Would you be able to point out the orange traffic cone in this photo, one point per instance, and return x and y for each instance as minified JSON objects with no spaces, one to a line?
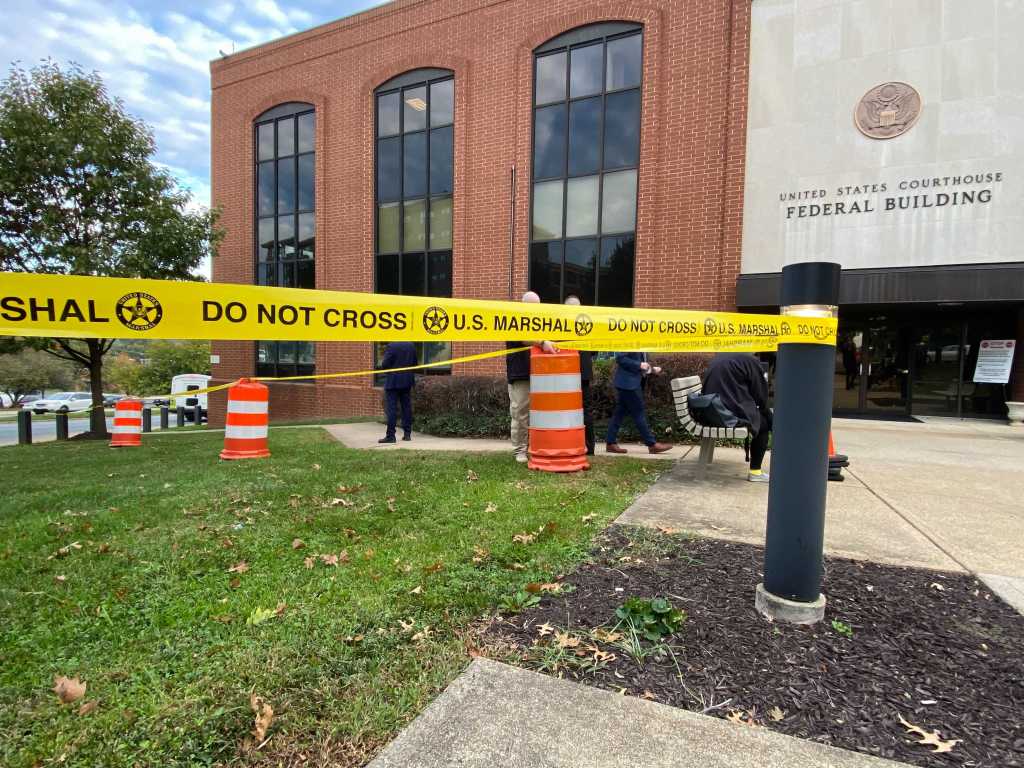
{"x":836,"y":461}
{"x":557,"y":437}
{"x":127,"y":432}
{"x":245,"y":428}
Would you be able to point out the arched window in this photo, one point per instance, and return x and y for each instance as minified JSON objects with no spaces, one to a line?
{"x":285,"y":221}
{"x":586,"y":154}
{"x":414,"y":181}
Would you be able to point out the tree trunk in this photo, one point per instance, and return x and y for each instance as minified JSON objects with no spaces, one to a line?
{"x":97,"y":416}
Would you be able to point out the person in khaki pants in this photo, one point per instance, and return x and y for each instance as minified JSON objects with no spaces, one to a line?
{"x":517,"y":372}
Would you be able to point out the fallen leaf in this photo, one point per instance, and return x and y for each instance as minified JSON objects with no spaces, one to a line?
{"x":407,"y":626}
{"x":607,"y":636}
{"x":309,"y":561}
{"x":280,"y":609}
{"x":936,"y":585}
{"x":226,"y":543}
{"x":517,"y":567}
{"x":298,"y":543}
{"x":471,"y":476}
{"x":264,"y":716}
{"x":523,"y":538}
{"x":648,"y":695}
{"x":329,"y":560}
{"x":65,"y":550}
{"x":60,"y":578}
{"x":667,"y":531}
{"x":545,"y":629}
{"x":480,"y":554}
{"x":223,"y":618}
{"x":434,"y":568}
{"x":88,"y":708}
{"x":240,"y":567}
{"x":68,"y":689}
{"x":423,"y":634}
{"x":260,"y":615}
{"x":316,"y":467}
{"x":349,"y":488}
{"x":391,"y":504}
{"x":742,"y":718}
{"x":565,"y":640}
{"x":342,"y":502}
{"x":491,"y":508}
{"x":103,"y":548}
{"x":587,"y":518}
{"x":776,"y":714}
{"x":368,"y":554}
{"x":235,"y":583}
{"x":930,"y":738}
{"x":416,"y":591}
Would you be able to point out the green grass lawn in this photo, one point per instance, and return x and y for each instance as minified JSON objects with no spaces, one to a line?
{"x":141,"y":606}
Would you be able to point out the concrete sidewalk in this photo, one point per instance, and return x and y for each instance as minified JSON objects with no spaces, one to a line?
{"x":366,"y":434}
{"x":943,"y":494}
{"x":497,"y":716}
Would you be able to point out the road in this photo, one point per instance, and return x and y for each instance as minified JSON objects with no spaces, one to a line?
{"x":44,"y":430}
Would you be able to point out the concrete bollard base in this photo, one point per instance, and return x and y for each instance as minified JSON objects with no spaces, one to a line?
{"x":777,"y":608}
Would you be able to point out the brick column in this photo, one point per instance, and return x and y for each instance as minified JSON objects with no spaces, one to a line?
{"x":1017,"y":376}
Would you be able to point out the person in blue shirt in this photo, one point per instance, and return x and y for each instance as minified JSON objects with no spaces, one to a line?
{"x":630,"y":370}
{"x":398,"y":387}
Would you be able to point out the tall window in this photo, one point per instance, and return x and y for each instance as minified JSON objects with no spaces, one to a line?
{"x":414,"y":183}
{"x":285,"y":222}
{"x":586,"y":151}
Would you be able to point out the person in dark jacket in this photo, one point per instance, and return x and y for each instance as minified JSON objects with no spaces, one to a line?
{"x":630,"y":370}
{"x":739,"y":380}
{"x":398,"y":387}
{"x":517,"y":373}
{"x":586,"y":374}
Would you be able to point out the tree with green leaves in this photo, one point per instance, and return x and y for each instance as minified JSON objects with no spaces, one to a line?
{"x":167,"y":359}
{"x":80,"y":194}
{"x":27,"y":370}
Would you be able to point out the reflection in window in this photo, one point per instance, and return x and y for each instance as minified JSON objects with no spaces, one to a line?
{"x":285,"y":221}
{"x":586,"y":153}
{"x":415,"y":174}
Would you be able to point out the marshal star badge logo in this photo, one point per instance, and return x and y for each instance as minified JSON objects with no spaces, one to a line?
{"x":584,"y":325}
{"x":435,"y":320}
{"x":139,"y":311}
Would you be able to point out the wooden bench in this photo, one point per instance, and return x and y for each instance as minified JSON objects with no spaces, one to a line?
{"x":681,"y":390}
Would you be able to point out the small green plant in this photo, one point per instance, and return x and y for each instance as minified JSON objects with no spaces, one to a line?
{"x":651,"y":619}
{"x":518,"y":601}
{"x":841,"y":628}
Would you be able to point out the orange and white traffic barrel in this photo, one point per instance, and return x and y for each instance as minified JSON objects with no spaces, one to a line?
{"x":127,"y":431}
{"x":557,"y":437}
{"x":245,"y":429}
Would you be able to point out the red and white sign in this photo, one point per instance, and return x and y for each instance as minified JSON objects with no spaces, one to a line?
{"x":995,"y":359}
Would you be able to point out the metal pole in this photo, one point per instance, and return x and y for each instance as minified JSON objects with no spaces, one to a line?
{"x":147,"y":420}
{"x":181,"y":416}
{"x":799,"y":469}
{"x":164,"y":416}
{"x":62,"y":426}
{"x":24,"y":427}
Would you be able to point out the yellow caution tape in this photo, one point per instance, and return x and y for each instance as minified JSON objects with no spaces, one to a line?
{"x":106,"y":307}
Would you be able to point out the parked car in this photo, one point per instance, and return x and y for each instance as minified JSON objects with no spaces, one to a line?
{"x":62,"y":402}
{"x":110,"y":400}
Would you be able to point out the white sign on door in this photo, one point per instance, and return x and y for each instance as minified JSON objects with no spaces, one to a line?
{"x":995,"y":359}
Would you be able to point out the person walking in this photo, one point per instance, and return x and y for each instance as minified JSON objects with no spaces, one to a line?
{"x":738,"y":379}
{"x":398,"y":387}
{"x":630,"y":370}
{"x":517,"y":373}
{"x":586,"y":374}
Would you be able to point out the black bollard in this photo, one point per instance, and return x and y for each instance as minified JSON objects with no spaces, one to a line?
{"x":62,"y":426}
{"x":24,"y":427}
{"x":197,"y":415}
{"x":147,"y":419}
{"x":164,"y":416}
{"x":180,"y":416}
{"x":799,"y":468}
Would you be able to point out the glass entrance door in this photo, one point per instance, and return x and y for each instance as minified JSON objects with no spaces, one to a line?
{"x":872,"y":368}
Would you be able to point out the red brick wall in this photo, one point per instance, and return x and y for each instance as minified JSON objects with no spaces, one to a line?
{"x":693,"y":137}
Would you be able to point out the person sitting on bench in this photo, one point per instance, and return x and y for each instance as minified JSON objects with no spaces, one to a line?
{"x":739,"y":381}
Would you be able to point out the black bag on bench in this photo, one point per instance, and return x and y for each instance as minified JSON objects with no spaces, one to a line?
{"x":709,"y":411}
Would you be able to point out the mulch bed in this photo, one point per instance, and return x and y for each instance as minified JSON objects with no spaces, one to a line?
{"x":936,"y":648}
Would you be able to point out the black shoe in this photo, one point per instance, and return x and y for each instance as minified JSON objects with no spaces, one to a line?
{"x":389,"y":439}
{"x":407,"y":437}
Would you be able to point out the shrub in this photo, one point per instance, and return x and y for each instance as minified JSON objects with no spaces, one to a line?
{"x":477,"y":406}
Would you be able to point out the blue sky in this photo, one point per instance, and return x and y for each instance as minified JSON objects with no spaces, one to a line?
{"x":155,"y":56}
